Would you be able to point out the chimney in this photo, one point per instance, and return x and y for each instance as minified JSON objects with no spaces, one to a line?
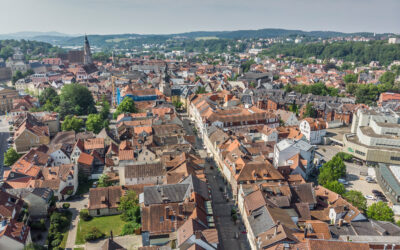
{"x":340,"y":222}
{"x":35,"y":159}
{"x":276,"y":227}
{"x":305,"y":232}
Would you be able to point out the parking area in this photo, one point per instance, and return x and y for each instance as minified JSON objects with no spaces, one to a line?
{"x":356,"y":174}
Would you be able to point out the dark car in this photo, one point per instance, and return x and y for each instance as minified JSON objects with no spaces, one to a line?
{"x":377,"y":192}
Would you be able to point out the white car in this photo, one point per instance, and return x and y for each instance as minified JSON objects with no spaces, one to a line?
{"x":343,"y":181}
{"x":369,"y":197}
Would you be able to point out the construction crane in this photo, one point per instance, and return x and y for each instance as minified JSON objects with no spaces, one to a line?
{"x":114,"y":94}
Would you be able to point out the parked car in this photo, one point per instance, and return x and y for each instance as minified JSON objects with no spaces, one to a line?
{"x":374,"y":191}
{"x":381,"y":198}
{"x":369,"y":179}
{"x":369,"y":197}
{"x":343,"y":181}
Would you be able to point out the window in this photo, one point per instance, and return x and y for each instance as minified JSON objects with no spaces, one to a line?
{"x":360,"y":153}
{"x":98,"y":211}
{"x":394,"y":158}
{"x":161,"y":218}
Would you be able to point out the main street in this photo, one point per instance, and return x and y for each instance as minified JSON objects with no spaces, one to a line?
{"x":231,"y":235}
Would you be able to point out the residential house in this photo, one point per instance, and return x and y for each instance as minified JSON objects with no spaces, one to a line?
{"x":142,"y":174}
{"x":104,"y":200}
{"x":38,"y":200}
{"x":63,"y":180}
{"x":31,"y":134}
{"x":313,"y":129}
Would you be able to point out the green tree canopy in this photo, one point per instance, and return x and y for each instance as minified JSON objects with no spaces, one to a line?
{"x":105,"y":108}
{"x":76,"y":99}
{"x":10,"y":157}
{"x":350,"y":78}
{"x":72,"y":123}
{"x":126,"y":106}
{"x":336,"y":187}
{"x":129,"y":205}
{"x":310,"y":111}
{"x":94,"y":123}
{"x":380,"y":211}
{"x":104,"y":181}
{"x":49,"y":94}
{"x":357,"y":199}
{"x":332,"y":170}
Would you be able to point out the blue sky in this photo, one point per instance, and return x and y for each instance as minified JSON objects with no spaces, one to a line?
{"x":175,"y":16}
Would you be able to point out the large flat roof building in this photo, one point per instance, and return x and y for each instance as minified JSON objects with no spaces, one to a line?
{"x":375,"y":136}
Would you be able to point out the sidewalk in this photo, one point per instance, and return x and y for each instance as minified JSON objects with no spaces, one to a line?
{"x":75,"y":207}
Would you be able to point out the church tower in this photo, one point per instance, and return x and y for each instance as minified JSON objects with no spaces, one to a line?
{"x":165,"y":86}
{"x":87,"y":54}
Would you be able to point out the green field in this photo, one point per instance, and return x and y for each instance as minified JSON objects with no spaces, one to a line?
{"x":104,"y":223}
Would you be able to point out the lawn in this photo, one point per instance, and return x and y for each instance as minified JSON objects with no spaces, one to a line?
{"x":104,"y":223}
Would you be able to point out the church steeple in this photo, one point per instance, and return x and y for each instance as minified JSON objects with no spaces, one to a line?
{"x":87,"y":54}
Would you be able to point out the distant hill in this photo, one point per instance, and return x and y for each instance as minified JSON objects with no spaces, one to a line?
{"x":120,"y":40}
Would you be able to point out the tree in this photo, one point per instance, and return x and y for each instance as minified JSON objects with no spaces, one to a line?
{"x":357,"y":199}
{"x":380,"y":211}
{"x":104,"y":181}
{"x":49,"y":94}
{"x":310,"y":111}
{"x":128,"y":201}
{"x":105,"y":108}
{"x":76,"y":99}
{"x":367,"y":94}
{"x":388,"y":78}
{"x":72,"y":123}
{"x":94,"y":123}
{"x":129,"y":207}
{"x":336,"y":187}
{"x":10,"y":157}
{"x":177,"y":104}
{"x":351,"y":88}
{"x":350,"y":78}
{"x":345,"y":156}
{"x":126,"y":106}
{"x":332,"y":170}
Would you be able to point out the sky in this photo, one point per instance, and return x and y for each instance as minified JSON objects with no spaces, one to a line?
{"x":176,"y":16}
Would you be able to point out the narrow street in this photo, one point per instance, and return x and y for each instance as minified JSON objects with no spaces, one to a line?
{"x":76,"y":206}
{"x":227,"y":229}
{"x":4,"y":135}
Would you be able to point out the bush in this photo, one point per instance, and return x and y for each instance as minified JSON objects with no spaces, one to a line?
{"x":94,"y":234}
{"x":84,"y":215}
{"x":66,"y":205}
{"x":55,"y":243}
{"x":129,"y":228}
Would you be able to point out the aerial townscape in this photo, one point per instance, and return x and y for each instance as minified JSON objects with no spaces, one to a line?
{"x":276,"y":139}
